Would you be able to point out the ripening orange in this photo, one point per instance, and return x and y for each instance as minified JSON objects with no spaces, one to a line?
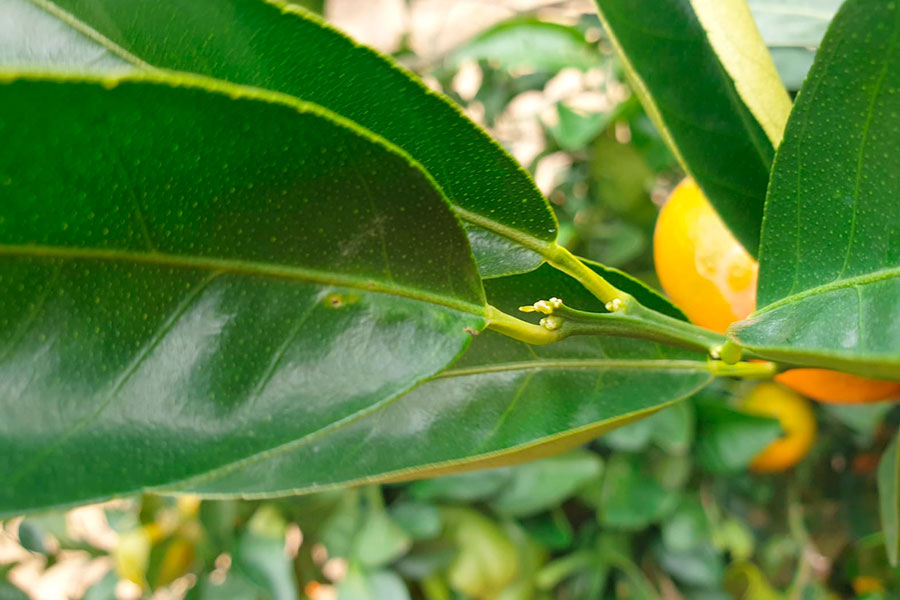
{"x":709,"y":275}
{"x":797,"y":420}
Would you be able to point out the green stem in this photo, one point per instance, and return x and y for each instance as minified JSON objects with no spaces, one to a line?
{"x":645,"y":323}
{"x":563,"y":322}
{"x":637,"y":321}
{"x":518,"y":329}
{"x":568,"y":263}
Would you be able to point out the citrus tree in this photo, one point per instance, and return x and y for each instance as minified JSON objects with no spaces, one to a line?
{"x":243,"y":255}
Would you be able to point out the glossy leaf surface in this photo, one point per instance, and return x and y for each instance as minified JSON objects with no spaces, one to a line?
{"x":722,"y":113}
{"x":192,"y":277}
{"x":503,"y":402}
{"x":280,"y":47}
{"x":829,"y":283}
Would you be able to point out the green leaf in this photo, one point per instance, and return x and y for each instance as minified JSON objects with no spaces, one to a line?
{"x":363,"y":585}
{"x":704,"y":75}
{"x":889,"y":498}
{"x":793,"y":29}
{"x":631,"y":500}
{"x":462,"y":487}
{"x":503,"y":402}
{"x":728,"y":439}
{"x":530,"y":43}
{"x":829,"y":279}
{"x":10,"y":592}
{"x":863,"y":420}
{"x":542,"y":484}
{"x":687,"y":527}
{"x":420,"y":520}
{"x":574,"y":130}
{"x":486,"y":561}
{"x":190,"y":268}
{"x":260,"y":556}
{"x":280,"y":47}
{"x":551,"y":530}
{"x":105,"y":589}
{"x":701,"y":566}
{"x":380,"y":540}
{"x":32,"y":537}
{"x":672,"y":429}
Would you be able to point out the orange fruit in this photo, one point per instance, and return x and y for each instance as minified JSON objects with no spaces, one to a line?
{"x":700,"y":264}
{"x":836,"y":387}
{"x":709,"y":275}
{"x":796,"y":418}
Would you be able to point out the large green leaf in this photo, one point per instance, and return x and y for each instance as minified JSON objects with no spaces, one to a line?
{"x":502,"y":403}
{"x":278,"y":46}
{"x":706,"y":78}
{"x":829,"y":282}
{"x":194,"y":273}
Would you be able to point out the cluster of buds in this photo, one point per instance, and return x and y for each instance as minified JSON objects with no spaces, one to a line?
{"x":546,"y":307}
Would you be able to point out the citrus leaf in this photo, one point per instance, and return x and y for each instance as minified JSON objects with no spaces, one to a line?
{"x":196,"y":272}
{"x":734,"y":102}
{"x":889,"y":498}
{"x":503,"y":402}
{"x":278,"y":46}
{"x":526,"y":42}
{"x":829,"y":281}
{"x":540,"y":485}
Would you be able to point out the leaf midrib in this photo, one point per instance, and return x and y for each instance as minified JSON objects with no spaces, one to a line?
{"x":92,"y":34}
{"x":868,"y":278}
{"x":238,"y":267}
{"x":579,"y":363}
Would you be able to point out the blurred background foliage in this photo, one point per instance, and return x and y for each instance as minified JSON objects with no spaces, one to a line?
{"x":663,"y":508}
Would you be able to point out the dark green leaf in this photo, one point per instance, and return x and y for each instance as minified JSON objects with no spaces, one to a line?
{"x":889,"y":498}
{"x":728,"y":439}
{"x":864,"y":420}
{"x":540,"y":485}
{"x":188,"y":274}
{"x":631,"y":499}
{"x":672,"y":429}
{"x":276,"y":46}
{"x":503,"y":402}
{"x":829,"y":280}
{"x":552,"y":529}
{"x":722,"y":113}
